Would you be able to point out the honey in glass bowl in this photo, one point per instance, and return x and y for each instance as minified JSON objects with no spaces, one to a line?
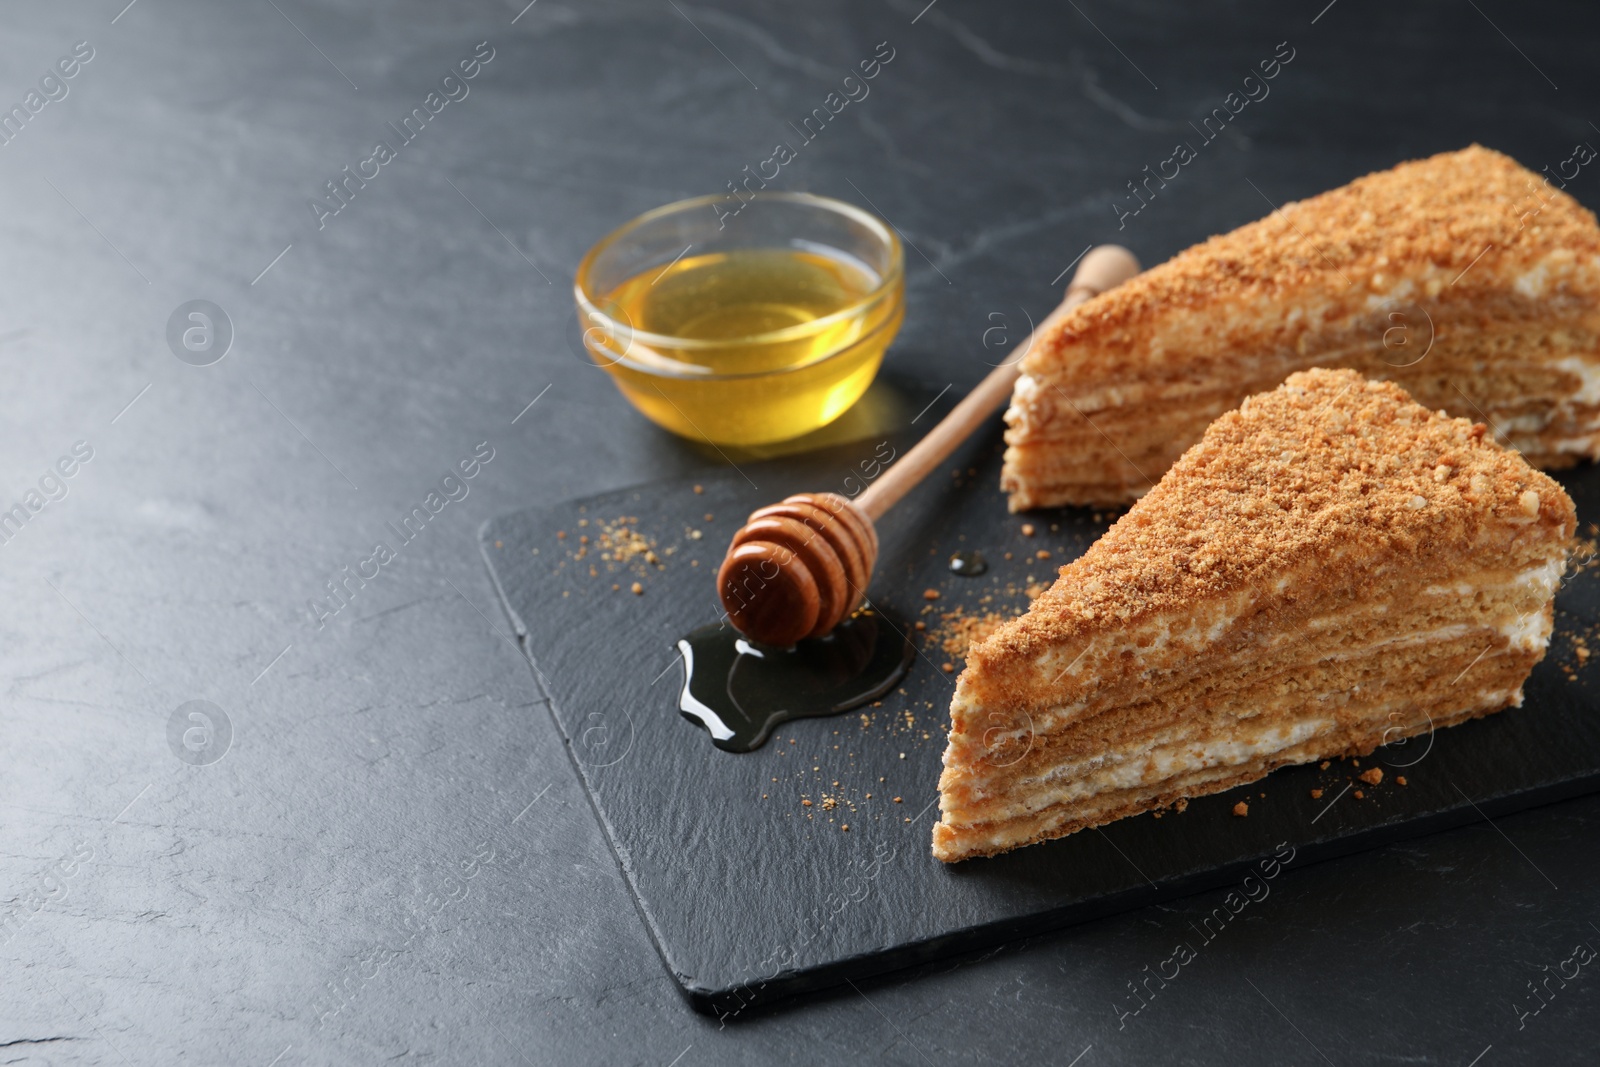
{"x":743,"y":330}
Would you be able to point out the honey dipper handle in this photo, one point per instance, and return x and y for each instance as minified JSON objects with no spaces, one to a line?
{"x":1102,"y":268}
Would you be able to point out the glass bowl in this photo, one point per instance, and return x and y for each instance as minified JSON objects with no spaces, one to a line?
{"x":743,"y":321}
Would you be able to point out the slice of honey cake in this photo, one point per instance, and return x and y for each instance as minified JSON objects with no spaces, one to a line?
{"x":1331,"y":568}
{"x":1467,"y":279}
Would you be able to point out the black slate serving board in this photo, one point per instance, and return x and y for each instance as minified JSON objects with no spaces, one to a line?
{"x":751,"y":896}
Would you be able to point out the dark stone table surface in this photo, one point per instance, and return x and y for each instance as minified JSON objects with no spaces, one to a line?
{"x":392,"y":860}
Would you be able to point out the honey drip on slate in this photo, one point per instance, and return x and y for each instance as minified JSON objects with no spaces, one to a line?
{"x":739,"y":691}
{"x":968,"y":564}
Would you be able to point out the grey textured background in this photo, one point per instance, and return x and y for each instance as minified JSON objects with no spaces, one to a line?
{"x":305,"y":897}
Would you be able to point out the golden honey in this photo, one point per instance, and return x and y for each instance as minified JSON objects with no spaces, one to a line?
{"x":749,"y":345}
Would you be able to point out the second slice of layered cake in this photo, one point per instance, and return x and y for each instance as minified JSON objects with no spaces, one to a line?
{"x":1467,"y":279}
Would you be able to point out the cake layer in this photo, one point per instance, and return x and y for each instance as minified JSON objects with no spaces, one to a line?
{"x":1434,"y":274}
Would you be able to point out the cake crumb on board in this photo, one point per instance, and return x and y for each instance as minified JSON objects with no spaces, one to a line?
{"x":958,"y":631}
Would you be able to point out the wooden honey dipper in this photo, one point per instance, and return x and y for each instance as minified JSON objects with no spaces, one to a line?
{"x":799,"y":568}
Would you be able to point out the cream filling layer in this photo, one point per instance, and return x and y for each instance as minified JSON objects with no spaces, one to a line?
{"x":1583,"y":445}
{"x":1172,"y":756}
{"x":1588,"y":373}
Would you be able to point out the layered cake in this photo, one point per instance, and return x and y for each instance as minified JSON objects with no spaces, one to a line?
{"x":1332,"y":567}
{"x":1466,"y":278}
